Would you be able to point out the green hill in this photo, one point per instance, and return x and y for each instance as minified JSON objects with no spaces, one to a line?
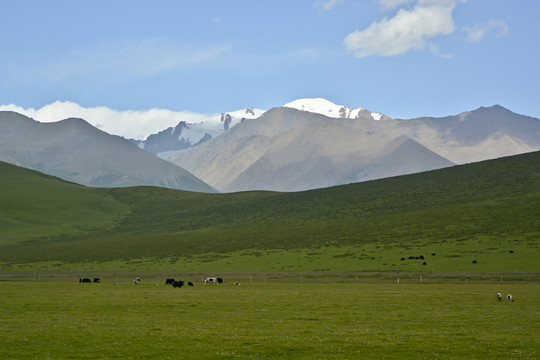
{"x":35,"y":207}
{"x":487,"y":212}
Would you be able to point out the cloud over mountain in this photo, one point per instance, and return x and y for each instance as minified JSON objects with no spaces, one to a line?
{"x":129,"y":123}
{"x":407,"y":30}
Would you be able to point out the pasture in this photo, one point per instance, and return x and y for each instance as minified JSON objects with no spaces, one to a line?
{"x":482,"y":217}
{"x":53,"y":316}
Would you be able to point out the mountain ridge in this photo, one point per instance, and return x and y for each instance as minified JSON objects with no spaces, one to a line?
{"x":244,"y":153}
{"x":186,"y":135}
{"x":287,"y":144}
{"x":297,"y":146}
{"x":77,"y":151}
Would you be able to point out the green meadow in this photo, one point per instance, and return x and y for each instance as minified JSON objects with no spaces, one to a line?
{"x":57,"y":318}
{"x":482,"y":217}
{"x":399,"y":268}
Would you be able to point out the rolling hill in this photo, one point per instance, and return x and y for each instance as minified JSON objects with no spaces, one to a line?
{"x":453,"y":216}
{"x":74,"y":150}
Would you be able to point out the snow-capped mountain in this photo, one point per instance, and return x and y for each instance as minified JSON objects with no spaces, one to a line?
{"x":289,"y":149}
{"x":305,"y":144}
{"x":187,"y":135}
{"x":328,"y":108}
{"x":184,"y":136}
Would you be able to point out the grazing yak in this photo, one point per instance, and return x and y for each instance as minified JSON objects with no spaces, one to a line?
{"x":499,"y":296}
{"x":97,"y":280}
{"x":213,"y":280}
{"x":137,"y":281}
{"x":85,"y":280}
{"x":190,"y":283}
{"x":178,"y":283}
{"x":509,"y":298}
{"x":169,"y":281}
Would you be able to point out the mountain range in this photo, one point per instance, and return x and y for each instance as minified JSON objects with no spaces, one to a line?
{"x":299,"y":146}
{"x":291,"y":150}
{"x":185,"y":135}
{"x":74,"y":150}
{"x":305,"y":144}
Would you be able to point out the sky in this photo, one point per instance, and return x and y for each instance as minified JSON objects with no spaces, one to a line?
{"x":134,"y":67}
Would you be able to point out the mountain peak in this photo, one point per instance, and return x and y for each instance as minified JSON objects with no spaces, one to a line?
{"x":76,"y":151}
{"x":75,"y":120}
{"x":494,"y":108}
{"x":328,"y":108}
{"x":308,"y":104}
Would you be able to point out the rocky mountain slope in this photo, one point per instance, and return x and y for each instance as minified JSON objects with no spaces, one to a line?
{"x":481,"y":134}
{"x":296,"y":147}
{"x":186,"y":135}
{"x":291,"y":150}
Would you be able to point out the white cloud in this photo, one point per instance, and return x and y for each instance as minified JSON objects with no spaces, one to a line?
{"x":128,"y":123}
{"x":328,"y":4}
{"x":476,"y":33}
{"x":407,"y":30}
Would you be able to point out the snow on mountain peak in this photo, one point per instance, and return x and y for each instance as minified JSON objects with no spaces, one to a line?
{"x":189,"y":134}
{"x":317,"y":105}
{"x":328,"y":108}
{"x":376,"y":116}
{"x":224,"y":121}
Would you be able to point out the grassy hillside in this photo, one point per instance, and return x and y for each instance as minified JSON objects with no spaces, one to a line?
{"x":35,"y":207}
{"x":478,"y":212}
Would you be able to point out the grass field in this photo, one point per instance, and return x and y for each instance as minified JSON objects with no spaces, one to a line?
{"x":482,"y":217}
{"x":58,"y":318}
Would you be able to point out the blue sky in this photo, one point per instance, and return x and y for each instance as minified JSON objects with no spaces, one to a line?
{"x":404,"y":58}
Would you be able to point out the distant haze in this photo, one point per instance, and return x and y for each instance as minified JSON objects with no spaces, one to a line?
{"x":129,"y":123}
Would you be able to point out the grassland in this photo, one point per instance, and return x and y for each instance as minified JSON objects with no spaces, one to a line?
{"x":58,"y":318}
{"x":487,"y":213}
{"x":36,"y":206}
